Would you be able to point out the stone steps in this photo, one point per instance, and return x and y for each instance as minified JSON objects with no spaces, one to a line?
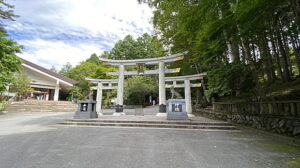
{"x":183,"y":122}
{"x":151,"y":124}
{"x":41,"y":106}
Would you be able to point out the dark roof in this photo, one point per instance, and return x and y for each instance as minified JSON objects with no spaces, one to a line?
{"x":47,"y":71}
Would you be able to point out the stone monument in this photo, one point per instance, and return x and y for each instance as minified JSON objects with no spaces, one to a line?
{"x":177,"y":110}
{"x":175,"y":95}
{"x":86,"y":109}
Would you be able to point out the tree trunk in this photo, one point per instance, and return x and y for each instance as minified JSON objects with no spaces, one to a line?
{"x":279,"y":68}
{"x":296,"y":52}
{"x":296,"y":8}
{"x":247,"y":49}
{"x":286,"y":46}
{"x":269,"y":60}
{"x":283,"y":53}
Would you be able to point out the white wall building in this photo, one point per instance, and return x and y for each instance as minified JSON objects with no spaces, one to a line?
{"x":46,"y":84}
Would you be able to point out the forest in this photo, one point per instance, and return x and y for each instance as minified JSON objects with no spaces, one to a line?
{"x":250,"y":48}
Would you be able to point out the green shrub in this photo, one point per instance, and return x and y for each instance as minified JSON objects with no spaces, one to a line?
{"x":3,"y":104}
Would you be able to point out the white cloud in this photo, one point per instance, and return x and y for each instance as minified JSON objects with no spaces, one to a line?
{"x":106,"y":17}
{"x":48,"y":53}
{"x":113,"y":16}
{"x":60,"y":31}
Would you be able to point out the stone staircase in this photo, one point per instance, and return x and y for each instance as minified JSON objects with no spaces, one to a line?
{"x":41,"y":106}
{"x":186,"y":124}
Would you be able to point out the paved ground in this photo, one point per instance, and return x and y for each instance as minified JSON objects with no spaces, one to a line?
{"x":150,"y":110}
{"x":29,"y":140}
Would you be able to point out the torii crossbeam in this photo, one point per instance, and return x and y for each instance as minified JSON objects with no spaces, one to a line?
{"x":160,"y":61}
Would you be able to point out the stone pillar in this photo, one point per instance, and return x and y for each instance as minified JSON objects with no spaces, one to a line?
{"x":187,"y":96}
{"x":99,"y":99}
{"x":119,"y":108}
{"x":162,"y":88}
{"x":56,"y":92}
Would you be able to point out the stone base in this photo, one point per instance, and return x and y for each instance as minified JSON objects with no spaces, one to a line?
{"x":119,"y":108}
{"x":85,"y":115}
{"x":100,"y":114}
{"x":162,"y":108}
{"x":161,"y":114}
{"x":191,"y":115}
{"x":177,"y":116}
{"x":118,"y":114}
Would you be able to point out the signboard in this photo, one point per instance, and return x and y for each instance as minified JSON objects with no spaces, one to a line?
{"x":177,"y":107}
{"x":140,"y":68}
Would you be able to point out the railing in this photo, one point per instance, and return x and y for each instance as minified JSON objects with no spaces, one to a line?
{"x":279,"y":108}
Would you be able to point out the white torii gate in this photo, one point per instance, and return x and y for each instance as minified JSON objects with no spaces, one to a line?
{"x":187,"y":87}
{"x":148,"y":61}
{"x":100,"y":87}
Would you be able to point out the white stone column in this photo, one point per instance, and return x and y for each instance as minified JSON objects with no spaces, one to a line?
{"x":99,"y":99}
{"x":119,"y":108}
{"x":187,"y":96}
{"x":121,"y":85}
{"x":162,"y":87}
{"x":56,"y":92}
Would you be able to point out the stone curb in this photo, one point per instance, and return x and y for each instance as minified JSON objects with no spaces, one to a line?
{"x":152,"y":125}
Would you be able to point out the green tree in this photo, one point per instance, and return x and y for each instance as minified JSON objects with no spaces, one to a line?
{"x":145,"y":46}
{"x":93,"y":59}
{"x":222,"y":36}
{"x":78,"y":92}
{"x":21,"y":85}
{"x":9,"y":62}
{"x":139,"y":88}
{"x":91,"y":68}
{"x":65,"y":69}
{"x":83,"y":70}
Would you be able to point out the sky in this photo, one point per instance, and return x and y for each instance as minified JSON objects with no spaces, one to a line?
{"x":54,"y":32}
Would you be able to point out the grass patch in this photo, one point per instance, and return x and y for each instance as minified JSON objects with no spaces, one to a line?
{"x":294,"y":150}
{"x":276,"y":92}
{"x":282,"y":148}
{"x":295,"y":162}
{"x":3,"y":104}
{"x":291,"y":89}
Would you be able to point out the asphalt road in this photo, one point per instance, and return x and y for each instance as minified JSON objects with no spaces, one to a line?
{"x":34,"y":140}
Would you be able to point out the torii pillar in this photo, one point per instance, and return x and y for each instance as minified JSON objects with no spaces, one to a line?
{"x":162,"y":88}
{"x":100,"y":87}
{"x":99,"y":98}
{"x":119,"y":108}
{"x":187,"y":96}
